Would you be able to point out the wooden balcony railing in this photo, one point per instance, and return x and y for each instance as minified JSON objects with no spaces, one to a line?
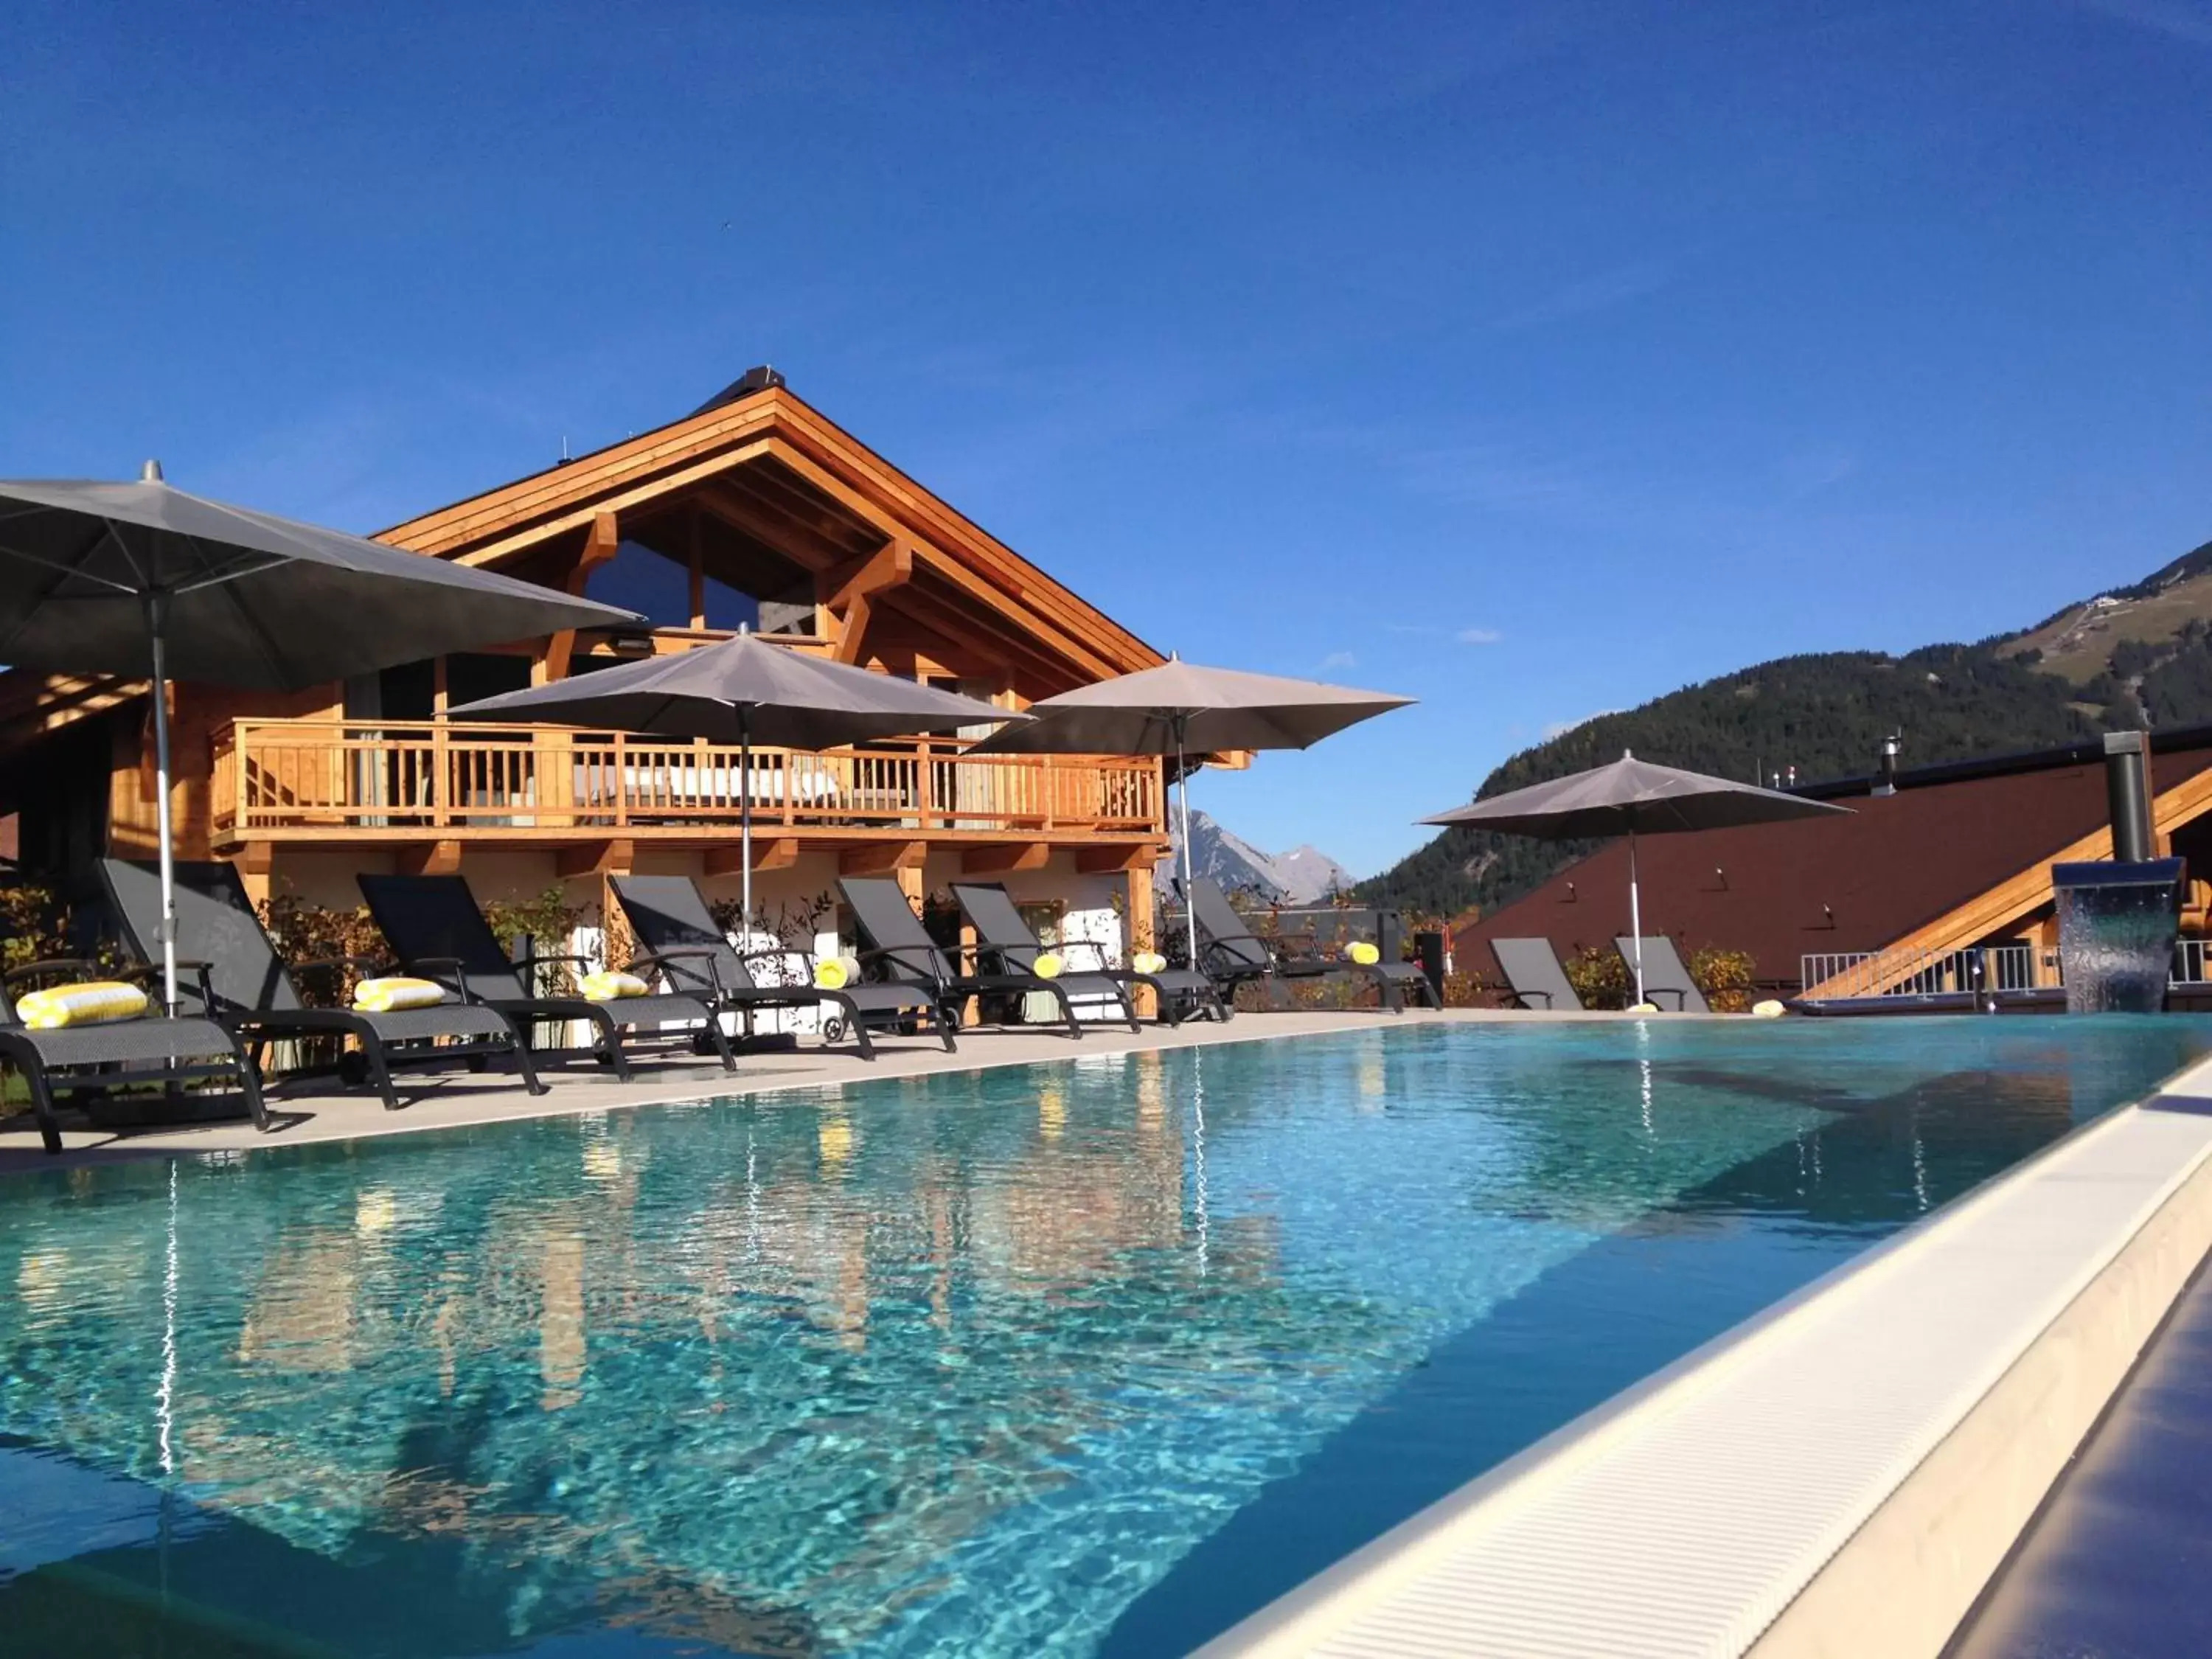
{"x":306,"y":776}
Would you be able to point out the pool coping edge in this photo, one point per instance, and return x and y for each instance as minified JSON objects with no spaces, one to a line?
{"x":2108,"y":1305}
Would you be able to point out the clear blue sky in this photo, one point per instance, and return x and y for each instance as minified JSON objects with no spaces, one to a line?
{"x":1531,"y":360}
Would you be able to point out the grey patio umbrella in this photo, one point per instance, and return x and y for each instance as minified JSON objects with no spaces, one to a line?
{"x":744,"y":690}
{"x":125,"y":578}
{"x":1181,"y":708}
{"x":1632,"y":797}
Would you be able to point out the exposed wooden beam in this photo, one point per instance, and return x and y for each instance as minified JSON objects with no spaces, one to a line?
{"x":508,"y":545}
{"x":1006,"y":856}
{"x":808,"y":445}
{"x":708,"y":441}
{"x":1114,"y":860}
{"x":883,"y":858}
{"x":769,"y":852}
{"x":431,"y":858}
{"x":612,"y":857}
{"x":788,"y":501}
{"x":1088,"y":662}
{"x":695,"y":569}
{"x":890,"y":565}
{"x":852,"y":629}
{"x":942,"y":615}
{"x":600,"y":545}
{"x":853,"y":602}
{"x":804,"y":429}
{"x":744,"y":511}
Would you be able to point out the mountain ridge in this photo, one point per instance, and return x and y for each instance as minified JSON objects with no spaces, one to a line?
{"x":2130,"y":657}
{"x":1301,"y":876}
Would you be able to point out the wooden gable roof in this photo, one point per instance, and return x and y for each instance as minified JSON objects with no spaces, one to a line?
{"x":771,"y":468}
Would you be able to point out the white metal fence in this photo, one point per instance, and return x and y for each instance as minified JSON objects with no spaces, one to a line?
{"x":1836,"y":974}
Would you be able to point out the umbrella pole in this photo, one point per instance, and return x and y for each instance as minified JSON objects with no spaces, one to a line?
{"x":745,"y":824}
{"x":157,"y":612}
{"x":1635,"y":917}
{"x":1189,"y":904}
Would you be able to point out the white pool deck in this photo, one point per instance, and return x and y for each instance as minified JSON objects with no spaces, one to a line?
{"x":1839,"y":1476}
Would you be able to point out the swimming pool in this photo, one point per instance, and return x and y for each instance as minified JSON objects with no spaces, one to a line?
{"x":1093,"y":1358}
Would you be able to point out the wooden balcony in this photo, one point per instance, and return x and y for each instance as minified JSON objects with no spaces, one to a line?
{"x":348,"y":781}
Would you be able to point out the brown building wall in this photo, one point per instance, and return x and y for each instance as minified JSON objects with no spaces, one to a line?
{"x":1781,"y":892}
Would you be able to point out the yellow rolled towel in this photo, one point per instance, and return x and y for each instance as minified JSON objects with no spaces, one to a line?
{"x":395,"y":992}
{"x":837,"y":973}
{"x":1365,"y":954}
{"x":1768,"y":1008}
{"x":1148,"y":962}
{"x":612,"y":987}
{"x":1643,"y":1007}
{"x":96,"y":1002}
{"x":1046,"y":966}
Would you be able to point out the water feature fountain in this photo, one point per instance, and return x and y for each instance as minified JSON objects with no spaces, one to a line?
{"x":2117,"y":926}
{"x":2118,"y":921}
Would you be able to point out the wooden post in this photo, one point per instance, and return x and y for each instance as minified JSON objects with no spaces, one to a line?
{"x":622,"y":781}
{"x":698,"y":575}
{"x":910,"y":884}
{"x":255,"y":860}
{"x":1139,"y":929}
{"x":441,"y":781}
{"x":972,"y":1010}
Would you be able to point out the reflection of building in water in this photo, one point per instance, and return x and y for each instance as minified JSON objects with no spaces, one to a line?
{"x":391,"y":1371}
{"x":1373,"y":1083}
{"x":560,"y":1324}
{"x":302,"y":1315}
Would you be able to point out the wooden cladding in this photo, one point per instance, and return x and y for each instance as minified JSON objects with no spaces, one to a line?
{"x":320,"y":779}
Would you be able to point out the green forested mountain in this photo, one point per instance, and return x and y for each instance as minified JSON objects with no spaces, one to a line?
{"x":2139,"y":655}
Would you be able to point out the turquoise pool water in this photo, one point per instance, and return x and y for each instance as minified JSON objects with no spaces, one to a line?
{"x":1087,"y":1359}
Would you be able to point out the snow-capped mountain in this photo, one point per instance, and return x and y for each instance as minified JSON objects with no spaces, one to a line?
{"x":1300,"y":875}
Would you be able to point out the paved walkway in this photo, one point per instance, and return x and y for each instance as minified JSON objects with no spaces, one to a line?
{"x":2116,"y":1563}
{"x":450,"y":1100}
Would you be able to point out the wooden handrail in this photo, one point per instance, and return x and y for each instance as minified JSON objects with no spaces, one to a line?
{"x":331,"y":773}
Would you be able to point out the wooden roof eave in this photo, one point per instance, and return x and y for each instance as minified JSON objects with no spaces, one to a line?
{"x":938,"y":522}
{"x":497,"y":525}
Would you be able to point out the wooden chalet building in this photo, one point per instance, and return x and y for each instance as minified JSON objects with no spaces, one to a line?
{"x":755,"y":510}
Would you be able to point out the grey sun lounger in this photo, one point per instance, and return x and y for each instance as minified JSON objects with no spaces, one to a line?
{"x":902,"y":948}
{"x":1664,"y":975}
{"x":435,"y":930}
{"x":152,"y":1049}
{"x":235,"y":977}
{"x":1231,"y":952}
{"x":1533,"y":977}
{"x":685,"y":946}
{"x":1002,"y":937}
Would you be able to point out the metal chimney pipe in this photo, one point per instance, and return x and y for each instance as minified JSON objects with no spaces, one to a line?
{"x":1885,"y":783}
{"x":2127,"y":796}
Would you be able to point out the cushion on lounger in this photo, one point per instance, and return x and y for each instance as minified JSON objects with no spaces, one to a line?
{"x":1148,"y":962}
{"x":612,"y":987}
{"x":394,"y":992}
{"x":837,"y":973}
{"x":96,"y":1002}
{"x":1047,"y":965}
{"x":1365,"y":954}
